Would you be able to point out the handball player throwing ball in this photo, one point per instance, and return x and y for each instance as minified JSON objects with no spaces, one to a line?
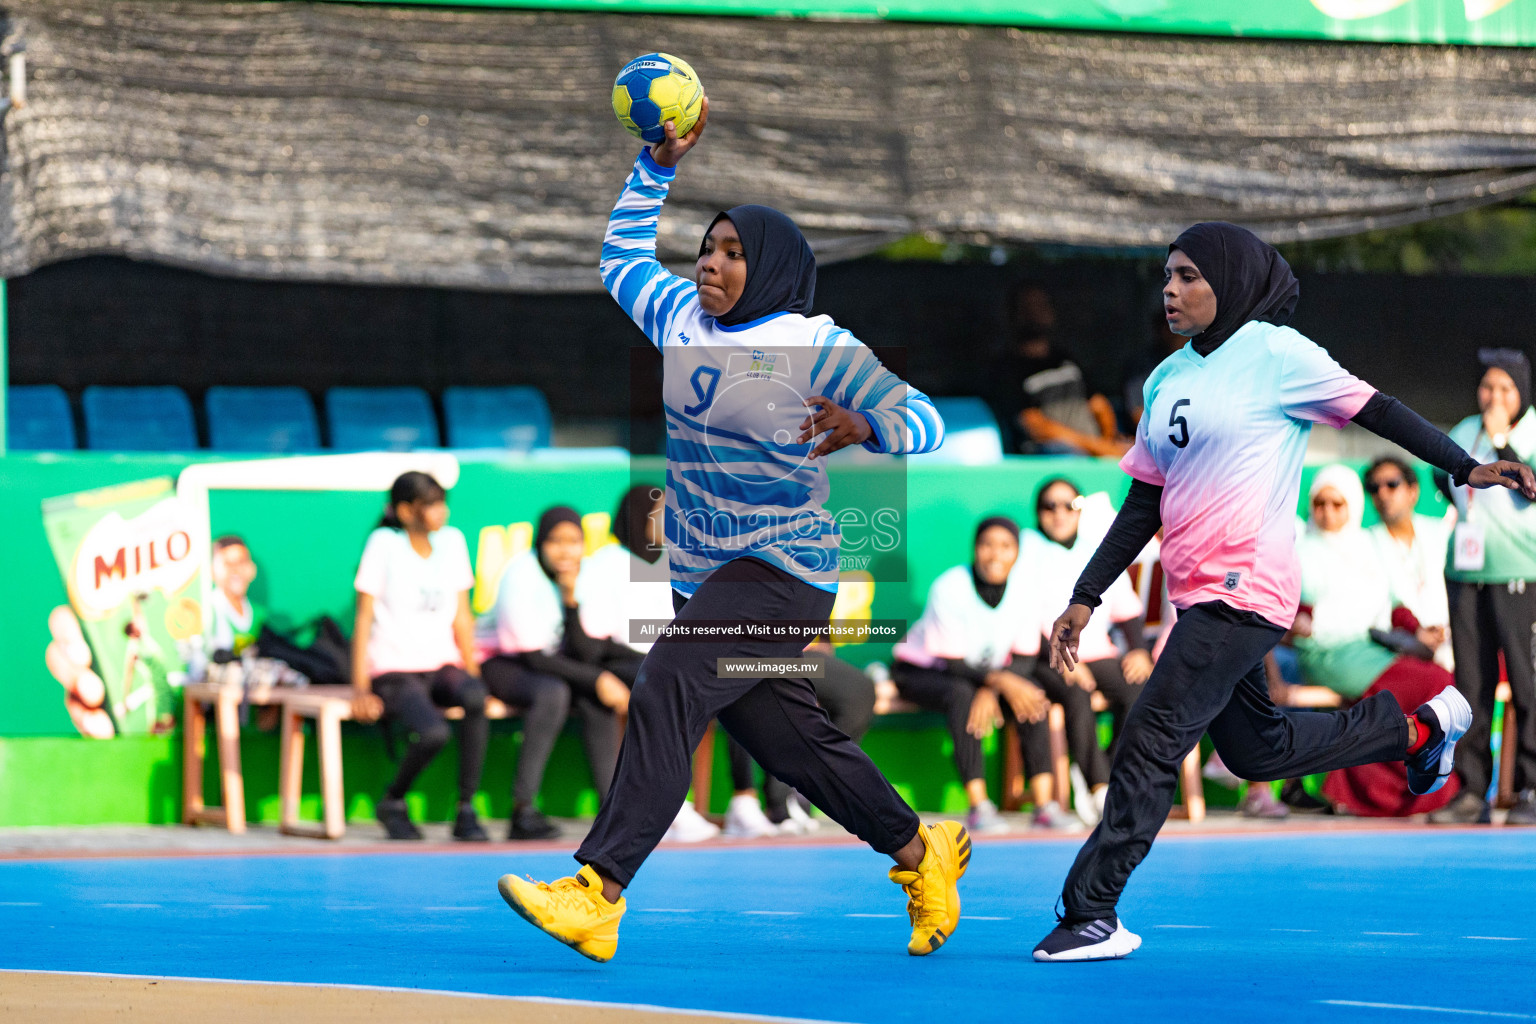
{"x":1217,"y":465}
{"x":749,"y":542}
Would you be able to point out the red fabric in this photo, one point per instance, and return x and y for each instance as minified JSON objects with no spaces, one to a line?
{"x":1381,"y":790}
{"x":1403,"y":619}
{"x":1420,"y":733}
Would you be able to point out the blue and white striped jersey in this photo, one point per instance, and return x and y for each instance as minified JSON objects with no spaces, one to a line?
{"x":737,"y":484}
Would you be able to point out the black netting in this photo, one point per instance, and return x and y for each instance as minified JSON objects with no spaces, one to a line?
{"x":476,"y":149}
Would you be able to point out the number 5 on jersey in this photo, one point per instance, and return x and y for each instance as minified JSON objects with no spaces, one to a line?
{"x":1181,"y":439}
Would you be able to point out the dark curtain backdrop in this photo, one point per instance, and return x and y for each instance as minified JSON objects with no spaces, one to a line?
{"x":114,"y":321}
{"x":474,"y":149}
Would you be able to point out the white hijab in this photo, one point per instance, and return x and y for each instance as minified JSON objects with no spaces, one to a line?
{"x":1342,"y":576}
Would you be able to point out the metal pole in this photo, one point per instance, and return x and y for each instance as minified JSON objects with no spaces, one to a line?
{"x":5,"y":364}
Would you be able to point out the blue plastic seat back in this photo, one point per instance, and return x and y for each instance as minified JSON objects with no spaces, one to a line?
{"x":138,"y":419}
{"x":37,"y":418}
{"x":971,"y":436}
{"x":380,"y":419}
{"x":275,"y":420}
{"x":508,"y":417}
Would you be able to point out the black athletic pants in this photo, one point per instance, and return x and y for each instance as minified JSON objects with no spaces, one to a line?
{"x":546,"y":701}
{"x":777,"y":720}
{"x":412,"y":700}
{"x":1211,"y":679}
{"x":1485,"y":619}
{"x":952,"y":692}
{"x":847,"y":694}
{"x":1082,"y":725}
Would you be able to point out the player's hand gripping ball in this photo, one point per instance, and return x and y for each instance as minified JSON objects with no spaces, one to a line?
{"x":655,"y":89}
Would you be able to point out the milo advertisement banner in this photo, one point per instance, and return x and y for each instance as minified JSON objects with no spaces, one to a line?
{"x":120,"y":647}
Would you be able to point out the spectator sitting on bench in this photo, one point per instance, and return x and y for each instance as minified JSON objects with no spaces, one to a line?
{"x":542,"y":632}
{"x":1352,"y":641}
{"x":413,"y":649}
{"x":848,"y":696}
{"x":632,"y":575}
{"x":972,"y":655}
{"x":236,"y":620}
{"x":1055,"y":566}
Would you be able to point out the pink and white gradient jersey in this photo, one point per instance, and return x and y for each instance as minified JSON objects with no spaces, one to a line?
{"x":1224,"y":436}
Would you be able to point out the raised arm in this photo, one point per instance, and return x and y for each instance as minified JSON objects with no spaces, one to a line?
{"x":646,"y":290}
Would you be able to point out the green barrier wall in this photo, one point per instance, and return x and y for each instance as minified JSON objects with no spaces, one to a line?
{"x":1488,"y":22}
{"x":307,"y":545}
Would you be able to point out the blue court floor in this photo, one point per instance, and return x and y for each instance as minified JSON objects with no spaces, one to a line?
{"x":1348,"y":927}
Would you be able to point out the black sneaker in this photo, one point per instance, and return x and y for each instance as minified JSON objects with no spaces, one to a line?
{"x":1448,"y":716}
{"x":1466,"y":809}
{"x":1102,"y":939}
{"x":1295,"y":796}
{"x":467,"y":828}
{"x":397,"y":823}
{"x":529,"y":823}
{"x":1524,"y":812}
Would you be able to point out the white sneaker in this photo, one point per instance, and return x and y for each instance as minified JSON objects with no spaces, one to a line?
{"x":1053,"y":817}
{"x":1082,"y":799}
{"x":798,"y":823}
{"x":984,"y":819}
{"x":744,"y":819}
{"x":690,"y":826}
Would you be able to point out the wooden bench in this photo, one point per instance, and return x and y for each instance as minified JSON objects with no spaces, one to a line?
{"x":328,"y":706}
{"x":225,"y":698}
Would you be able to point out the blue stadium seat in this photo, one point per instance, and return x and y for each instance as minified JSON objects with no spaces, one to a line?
{"x":37,"y":418}
{"x":380,"y":419}
{"x":141,"y":419}
{"x":261,"y":420}
{"x":971,"y":436}
{"x":515,"y":418}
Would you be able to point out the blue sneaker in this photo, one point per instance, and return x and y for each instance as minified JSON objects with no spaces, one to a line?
{"x":1448,"y":716}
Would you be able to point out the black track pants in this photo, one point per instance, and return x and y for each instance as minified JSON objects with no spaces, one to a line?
{"x":778,"y":720}
{"x":413,"y":701}
{"x":1211,"y":679}
{"x":1487,"y":618}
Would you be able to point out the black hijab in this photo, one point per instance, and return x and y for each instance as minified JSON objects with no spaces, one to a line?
{"x":1513,"y":362}
{"x":1251,"y":280}
{"x":629,"y":521}
{"x":781,"y":269}
{"x":552,"y":518}
{"x":992,"y":593}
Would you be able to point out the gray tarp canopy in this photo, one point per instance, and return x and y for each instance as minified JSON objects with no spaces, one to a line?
{"x":476,"y":148}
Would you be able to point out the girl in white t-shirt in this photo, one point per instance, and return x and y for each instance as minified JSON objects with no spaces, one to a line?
{"x":551,"y":625}
{"x":1063,"y":547}
{"x":972,"y":656}
{"x":413,"y":649}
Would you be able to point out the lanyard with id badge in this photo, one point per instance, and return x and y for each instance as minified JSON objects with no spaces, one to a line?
{"x":1468,"y":553}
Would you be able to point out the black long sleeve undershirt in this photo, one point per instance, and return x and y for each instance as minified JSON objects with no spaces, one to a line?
{"x":1139,"y":519}
{"x":1386,"y":417}
{"x":581,"y":658}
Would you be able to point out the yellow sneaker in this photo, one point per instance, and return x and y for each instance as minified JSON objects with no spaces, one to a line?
{"x":571,"y":909}
{"x":933,"y":898}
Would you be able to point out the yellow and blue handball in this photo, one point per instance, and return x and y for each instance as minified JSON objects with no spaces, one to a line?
{"x":655,"y":89}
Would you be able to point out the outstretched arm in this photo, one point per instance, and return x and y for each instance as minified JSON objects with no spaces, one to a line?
{"x":1386,"y":417}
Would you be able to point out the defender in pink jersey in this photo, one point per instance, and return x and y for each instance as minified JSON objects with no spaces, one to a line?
{"x":1217,"y":466}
